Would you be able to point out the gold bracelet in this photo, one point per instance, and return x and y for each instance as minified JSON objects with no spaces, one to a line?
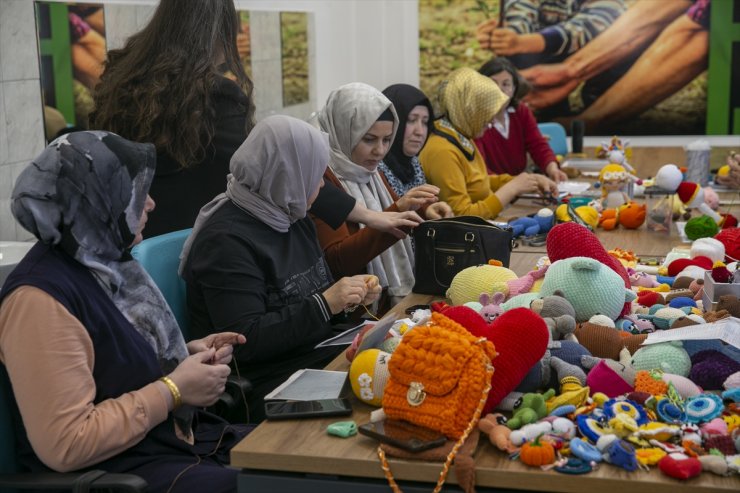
{"x":173,"y":390}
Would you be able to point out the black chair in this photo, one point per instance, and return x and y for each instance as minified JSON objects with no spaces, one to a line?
{"x":13,"y":479}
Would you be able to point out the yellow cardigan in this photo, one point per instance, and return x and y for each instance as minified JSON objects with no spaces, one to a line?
{"x":465,"y":185}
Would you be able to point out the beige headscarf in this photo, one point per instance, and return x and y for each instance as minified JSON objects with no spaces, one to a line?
{"x":349,"y":113}
{"x":470,"y":100}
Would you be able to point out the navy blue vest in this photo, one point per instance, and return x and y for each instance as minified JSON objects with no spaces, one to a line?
{"x":124,"y":361}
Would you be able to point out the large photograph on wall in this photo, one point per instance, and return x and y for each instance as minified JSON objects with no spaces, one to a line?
{"x":626,"y":67}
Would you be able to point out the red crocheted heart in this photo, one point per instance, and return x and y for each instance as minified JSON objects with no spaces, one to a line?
{"x":520,"y":337}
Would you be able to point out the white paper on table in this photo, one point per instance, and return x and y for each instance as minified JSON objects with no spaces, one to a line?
{"x":573,"y":187}
{"x":727,"y":330}
{"x":343,"y":338}
{"x":680,"y":228}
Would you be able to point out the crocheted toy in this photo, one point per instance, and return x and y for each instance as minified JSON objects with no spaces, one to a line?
{"x":605,"y":342}
{"x":710,"y":368}
{"x":642,"y":279}
{"x":573,"y":240}
{"x":532,"y":225}
{"x":491,"y":306}
{"x":531,"y":281}
{"x":494,"y":425}
{"x":587,"y":213}
{"x":561,"y":327}
{"x":711,"y":248}
{"x":530,"y":408}
{"x":679,"y":265}
{"x":729,"y":302}
{"x":692,"y":195}
{"x":632,"y":215}
{"x":368,"y":375}
{"x":520,"y":337}
{"x":668,"y":178}
{"x":663,"y":316}
{"x":469,"y":283}
{"x":720,"y":272}
{"x":589,"y":286}
{"x":560,"y":361}
{"x":680,"y":466}
{"x":572,"y":393}
{"x":669,"y":357}
{"x":608,"y":376}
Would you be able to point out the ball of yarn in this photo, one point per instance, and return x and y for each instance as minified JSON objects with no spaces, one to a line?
{"x":730,"y":238}
{"x":700,"y":227}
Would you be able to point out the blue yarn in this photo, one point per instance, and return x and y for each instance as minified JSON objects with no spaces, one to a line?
{"x":666,"y":280}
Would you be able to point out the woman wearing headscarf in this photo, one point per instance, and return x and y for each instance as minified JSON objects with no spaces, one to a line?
{"x":253,"y":264}
{"x":362,"y":123}
{"x":469,"y":101}
{"x":401,"y":165}
{"x":100,"y":372}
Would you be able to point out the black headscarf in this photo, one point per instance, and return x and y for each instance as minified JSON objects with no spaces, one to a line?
{"x":404,"y":98}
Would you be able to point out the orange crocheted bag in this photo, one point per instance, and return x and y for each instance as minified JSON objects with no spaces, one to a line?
{"x":439,"y":375}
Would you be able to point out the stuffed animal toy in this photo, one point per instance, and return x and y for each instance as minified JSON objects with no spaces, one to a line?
{"x":679,"y":265}
{"x":494,"y":426}
{"x":552,"y":306}
{"x":587,"y":213}
{"x":729,"y":302}
{"x":613,"y":181}
{"x":491,"y":306}
{"x":520,"y":337}
{"x":523,"y":300}
{"x":528,"y":282}
{"x":368,"y":375}
{"x":530,"y":408}
{"x":540,"y":223}
{"x":632,"y":215}
{"x":551,"y":369}
{"x":609,"y":377}
{"x":605,"y":342}
{"x":668,"y":178}
{"x":670,"y":357}
{"x":589,"y":286}
{"x":641,"y":279}
{"x":469,"y":283}
{"x":573,"y":240}
{"x":692,"y":195}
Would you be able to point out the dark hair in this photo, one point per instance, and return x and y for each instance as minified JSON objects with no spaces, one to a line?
{"x":499,"y":64}
{"x":157,"y":87}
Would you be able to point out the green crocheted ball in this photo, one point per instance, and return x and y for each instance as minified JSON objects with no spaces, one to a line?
{"x":701,"y":227}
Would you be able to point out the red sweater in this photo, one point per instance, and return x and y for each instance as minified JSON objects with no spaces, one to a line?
{"x":504,"y":155}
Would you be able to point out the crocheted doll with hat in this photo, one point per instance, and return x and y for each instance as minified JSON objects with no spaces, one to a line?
{"x":368,"y":375}
{"x":568,"y":240}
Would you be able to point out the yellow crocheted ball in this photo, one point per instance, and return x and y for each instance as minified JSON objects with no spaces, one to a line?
{"x":368,"y":375}
{"x":471,"y":282}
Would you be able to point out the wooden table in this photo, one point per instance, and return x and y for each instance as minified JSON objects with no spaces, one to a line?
{"x":299,"y":455}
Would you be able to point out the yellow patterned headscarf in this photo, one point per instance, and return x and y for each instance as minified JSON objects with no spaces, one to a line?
{"x":470,"y":100}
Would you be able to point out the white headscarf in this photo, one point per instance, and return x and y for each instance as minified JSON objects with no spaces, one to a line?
{"x":273,"y":174}
{"x":349,"y":113}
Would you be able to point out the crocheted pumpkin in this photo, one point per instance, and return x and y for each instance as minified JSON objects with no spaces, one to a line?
{"x":537,"y":453}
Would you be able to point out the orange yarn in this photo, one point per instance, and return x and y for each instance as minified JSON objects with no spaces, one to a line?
{"x":451,"y":367}
{"x":645,"y":382}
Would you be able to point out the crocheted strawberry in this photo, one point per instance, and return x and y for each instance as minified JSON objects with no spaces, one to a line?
{"x":568,"y":240}
{"x":520,"y":337}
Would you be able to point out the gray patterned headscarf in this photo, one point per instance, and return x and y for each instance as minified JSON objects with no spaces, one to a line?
{"x":85,"y":194}
{"x":273,"y":174}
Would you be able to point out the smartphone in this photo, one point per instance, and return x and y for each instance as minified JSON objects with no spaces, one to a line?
{"x":307,"y":409}
{"x":403,"y":434}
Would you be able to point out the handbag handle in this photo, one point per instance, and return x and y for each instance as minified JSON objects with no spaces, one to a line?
{"x":431,"y":234}
{"x":451,"y":456}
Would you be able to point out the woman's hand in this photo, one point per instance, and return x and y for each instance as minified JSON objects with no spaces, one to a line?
{"x":200,"y":382}
{"x":387,"y":222}
{"x":439,"y":210}
{"x":418,"y":197}
{"x":555,"y":173}
{"x":346,"y":292}
{"x":373,"y":289}
{"x":526,"y":183}
{"x":223,"y":342}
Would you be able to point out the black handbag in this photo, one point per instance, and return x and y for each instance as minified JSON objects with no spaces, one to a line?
{"x":444,"y":247}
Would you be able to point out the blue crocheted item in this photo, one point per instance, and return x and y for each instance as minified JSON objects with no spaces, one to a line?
{"x":612,"y":407}
{"x":584,"y":450}
{"x":703,"y":407}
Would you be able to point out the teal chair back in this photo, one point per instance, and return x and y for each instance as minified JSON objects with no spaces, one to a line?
{"x":555,"y":133}
{"x":160,"y":257}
